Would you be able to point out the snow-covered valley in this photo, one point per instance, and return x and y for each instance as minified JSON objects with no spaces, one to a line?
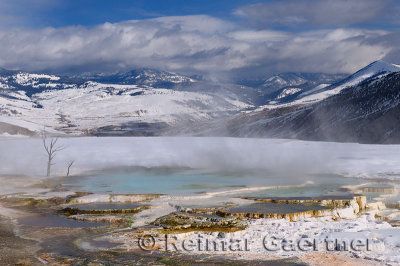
{"x":154,"y":103}
{"x":76,"y":109}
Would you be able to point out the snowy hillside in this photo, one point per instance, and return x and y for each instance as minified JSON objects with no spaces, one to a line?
{"x":366,"y":113}
{"x":323,"y":91}
{"x":286,"y":87}
{"x":150,"y":102}
{"x":283,"y":80}
{"x":32,"y":101}
{"x":148,"y":77}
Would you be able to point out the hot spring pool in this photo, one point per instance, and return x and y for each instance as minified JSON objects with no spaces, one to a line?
{"x":178,"y":181}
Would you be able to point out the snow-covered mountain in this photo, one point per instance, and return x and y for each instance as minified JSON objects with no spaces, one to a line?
{"x":366,"y":109}
{"x":285,"y":87}
{"x":323,"y":90}
{"x":169,"y":80}
{"x":72,"y":105}
{"x":152,"y":102}
{"x":283,"y":80}
{"x":145,"y":76}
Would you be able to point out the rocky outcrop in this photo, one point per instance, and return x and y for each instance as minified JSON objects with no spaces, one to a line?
{"x":184,"y":222}
{"x":75,"y":211}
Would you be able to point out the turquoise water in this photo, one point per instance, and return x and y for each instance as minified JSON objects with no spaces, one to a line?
{"x":178,"y":181}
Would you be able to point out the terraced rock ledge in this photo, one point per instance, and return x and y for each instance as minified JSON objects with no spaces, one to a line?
{"x":179,"y":222}
{"x":295,"y":208}
{"x":103,"y":213}
{"x":327,"y":201}
{"x":110,"y":208}
{"x":115,"y":198}
{"x":291,"y":208}
{"x":379,"y":188}
{"x":77,"y":210}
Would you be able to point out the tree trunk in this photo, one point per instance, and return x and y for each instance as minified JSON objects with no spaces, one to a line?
{"x":48,"y":167}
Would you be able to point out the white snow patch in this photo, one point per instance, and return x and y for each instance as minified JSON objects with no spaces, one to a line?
{"x":384,"y":240}
{"x":28,"y":125}
{"x":287,"y":92}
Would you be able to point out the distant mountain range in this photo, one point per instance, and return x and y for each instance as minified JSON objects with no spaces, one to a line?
{"x":313,"y":106}
{"x":285,"y":87}
{"x":147,"y":77}
{"x":365,"y":107}
{"x":132,"y":105}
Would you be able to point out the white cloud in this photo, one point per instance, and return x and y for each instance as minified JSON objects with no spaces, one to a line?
{"x":259,"y":36}
{"x":190,"y":44}
{"x":292,"y":13}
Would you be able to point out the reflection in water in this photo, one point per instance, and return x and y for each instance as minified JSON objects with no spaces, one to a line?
{"x":50,"y":220}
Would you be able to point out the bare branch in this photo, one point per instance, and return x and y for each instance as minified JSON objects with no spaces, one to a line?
{"x":58,"y":149}
{"x":69,"y":166}
{"x":51,"y":149}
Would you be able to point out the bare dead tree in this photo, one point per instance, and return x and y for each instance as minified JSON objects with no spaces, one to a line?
{"x":51,"y":148}
{"x":70,"y":163}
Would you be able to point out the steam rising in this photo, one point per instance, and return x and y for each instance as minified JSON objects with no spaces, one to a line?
{"x":288,"y":157}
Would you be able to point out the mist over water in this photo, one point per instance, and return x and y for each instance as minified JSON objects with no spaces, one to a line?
{"x":289,"y":158}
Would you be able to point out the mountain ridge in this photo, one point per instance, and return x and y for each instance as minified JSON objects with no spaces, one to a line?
{"x":151,"y":102}
{"x":365,"y":113}
{"x":317,"y":94}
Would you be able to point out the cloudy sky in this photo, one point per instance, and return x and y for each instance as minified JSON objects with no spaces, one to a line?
{"x":220,"y":39}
